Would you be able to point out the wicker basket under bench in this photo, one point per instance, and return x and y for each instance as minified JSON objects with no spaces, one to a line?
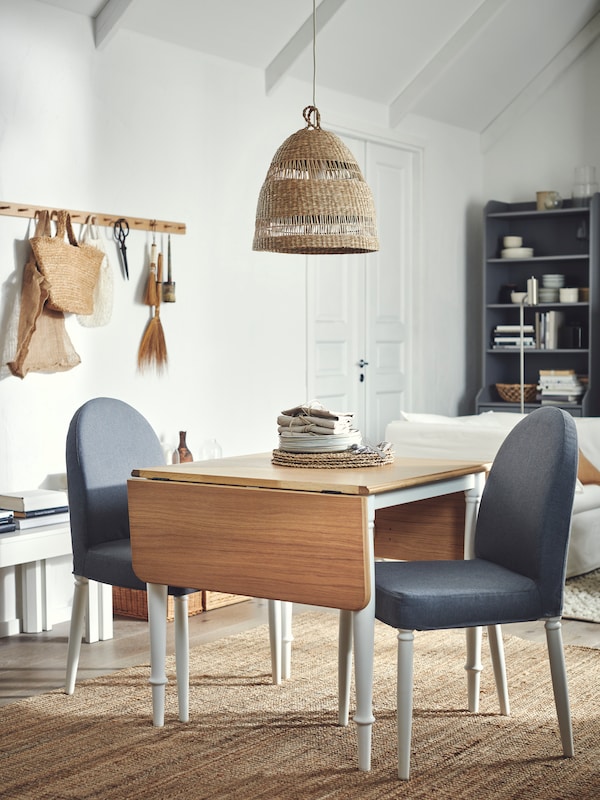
{"x":133,"y":603}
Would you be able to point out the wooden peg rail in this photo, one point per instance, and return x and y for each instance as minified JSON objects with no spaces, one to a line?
{"x":135,"y":223}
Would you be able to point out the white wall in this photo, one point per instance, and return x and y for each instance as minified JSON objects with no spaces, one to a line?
{"x":145,"y":128}
{"x":558,"y":133}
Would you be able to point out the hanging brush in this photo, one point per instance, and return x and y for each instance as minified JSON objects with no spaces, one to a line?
{"x":150,"y":295}
{"x":153,"y":347}
{"x":168,"y":287}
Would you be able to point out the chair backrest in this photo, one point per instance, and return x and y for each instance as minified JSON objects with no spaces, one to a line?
{"x":525,"y":515}
{"x":107,"y":439}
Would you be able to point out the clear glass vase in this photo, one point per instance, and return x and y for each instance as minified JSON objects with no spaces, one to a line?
{"x":584,"y":186}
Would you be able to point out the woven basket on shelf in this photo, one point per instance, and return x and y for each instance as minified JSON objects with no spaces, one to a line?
{"x":341,"y":460}
{"x":511,"y":392}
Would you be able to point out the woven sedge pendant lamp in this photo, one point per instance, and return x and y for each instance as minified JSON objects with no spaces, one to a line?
{"x":314,"y":199}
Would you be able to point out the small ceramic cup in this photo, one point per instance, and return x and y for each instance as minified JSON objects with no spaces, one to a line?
{"x":546,"y":201}
{"x":568,"y":295}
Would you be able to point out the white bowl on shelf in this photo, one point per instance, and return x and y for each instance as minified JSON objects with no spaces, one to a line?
{"x":517,"y":297}
{"x":512,"y":241}
{"x":568,"y":295}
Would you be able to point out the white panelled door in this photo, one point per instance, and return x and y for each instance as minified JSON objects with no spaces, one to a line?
{"x":358,"y":348}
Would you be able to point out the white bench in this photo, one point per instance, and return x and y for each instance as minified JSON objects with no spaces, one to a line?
{"x":27,"y":559}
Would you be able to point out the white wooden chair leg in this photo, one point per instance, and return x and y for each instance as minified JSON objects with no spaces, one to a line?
{"x":558,"y":670}
{"x":404,"y":701}
{"x":80,"y":601}
{"x":157,"y":620}
{"x":499,"y":667}
{"x":274,"y":610}
{"x":287,"y":638}
{"x":473,"y":667}
{"x":344,"y":666}
{"x":182,"y":656}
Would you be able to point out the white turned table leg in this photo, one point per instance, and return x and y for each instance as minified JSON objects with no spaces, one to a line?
{"x":157,"y":620}
{"x":363,"y":631}
{"x":287,"y":638}
{"x":274,"y":607}
{"x":182,"y":656}
{"x":344,"y":666}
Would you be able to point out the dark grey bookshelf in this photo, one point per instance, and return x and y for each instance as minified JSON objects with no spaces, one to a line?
{"x":566,"y":241}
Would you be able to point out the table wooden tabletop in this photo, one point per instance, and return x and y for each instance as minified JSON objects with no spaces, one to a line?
{"x":257,"y":470}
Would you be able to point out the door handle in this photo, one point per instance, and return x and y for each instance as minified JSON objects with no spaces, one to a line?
{"x":362,"y":363}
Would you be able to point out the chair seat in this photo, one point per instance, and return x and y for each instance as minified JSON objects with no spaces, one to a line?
{"x":431,"y":595}
{"x":110,"y":562}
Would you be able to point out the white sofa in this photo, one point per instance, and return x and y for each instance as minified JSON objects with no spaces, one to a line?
{"x":477,"y":438}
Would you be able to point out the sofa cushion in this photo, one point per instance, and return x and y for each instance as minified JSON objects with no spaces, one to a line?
{"x":587,"y":500}
{"x":477,"y":438}
{"x":586,"y":471}
{"x":588,"y":434}
{"x":468,"y":438}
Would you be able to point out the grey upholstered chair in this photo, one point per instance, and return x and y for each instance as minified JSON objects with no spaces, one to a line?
{"x":518,"y":571}
{"x":107,"y":439}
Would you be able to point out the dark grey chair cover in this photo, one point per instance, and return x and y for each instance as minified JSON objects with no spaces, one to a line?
{"x":107,"y":439}
{"x":521,"y":542}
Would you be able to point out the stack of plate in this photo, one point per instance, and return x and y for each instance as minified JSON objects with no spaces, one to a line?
{"x":517,"y":252}
{"x":312,"y":443}
{"x":553,"y":281}
{"x":546,"y":295}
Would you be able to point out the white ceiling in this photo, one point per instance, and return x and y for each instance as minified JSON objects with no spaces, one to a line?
{"x":468,"y":63}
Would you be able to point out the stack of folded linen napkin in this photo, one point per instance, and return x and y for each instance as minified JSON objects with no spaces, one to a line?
{"x":312,"y":428}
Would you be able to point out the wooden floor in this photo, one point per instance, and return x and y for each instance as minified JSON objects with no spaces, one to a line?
{"x":31,"y":664}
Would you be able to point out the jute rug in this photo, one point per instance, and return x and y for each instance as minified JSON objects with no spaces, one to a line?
{"x":582,"y":598}
{"x":248,"y":739}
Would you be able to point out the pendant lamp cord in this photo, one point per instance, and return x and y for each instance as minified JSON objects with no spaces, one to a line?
{"x":314,"y":51}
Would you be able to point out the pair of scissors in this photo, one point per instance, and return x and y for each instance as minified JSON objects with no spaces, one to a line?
{"x":121,"y":229}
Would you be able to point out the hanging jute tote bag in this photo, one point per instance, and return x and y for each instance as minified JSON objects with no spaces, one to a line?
{"x":71,"y":268}
{"x":43,"y":344}
{"x":104,"y":290}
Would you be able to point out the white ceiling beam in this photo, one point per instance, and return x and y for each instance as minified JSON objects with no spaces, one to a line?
{"x":288,"y":55}
{"x":412,"y":93}
{"x":542,"y":81}
{"x":106,"y":22}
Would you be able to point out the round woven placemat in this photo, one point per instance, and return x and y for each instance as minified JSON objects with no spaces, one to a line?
{"x":341,"y":460}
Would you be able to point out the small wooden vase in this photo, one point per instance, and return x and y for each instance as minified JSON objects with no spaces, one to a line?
{"x":182,"y":451}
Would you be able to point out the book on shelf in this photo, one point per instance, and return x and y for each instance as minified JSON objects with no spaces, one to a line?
{"x":509,"y":336}
{"x":41,"y":512}
{"x":7,"y":527}
{"x":547,"y":329}
{"x":514,"y":329}
{"x":557,"y":373}
{"x":513,"y":340}
{"x":560,"y":401}
{"x":510,"y":344}
{"x":27,"y":523}
{"x":560,"y":387}
{"x":33,"y":499}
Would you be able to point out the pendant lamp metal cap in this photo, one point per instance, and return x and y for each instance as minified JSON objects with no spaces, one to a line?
{"x":314,"y":199}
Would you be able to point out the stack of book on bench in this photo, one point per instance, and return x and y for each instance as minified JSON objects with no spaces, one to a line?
{"x":34,"y":508}
{"x":7,"y":522}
